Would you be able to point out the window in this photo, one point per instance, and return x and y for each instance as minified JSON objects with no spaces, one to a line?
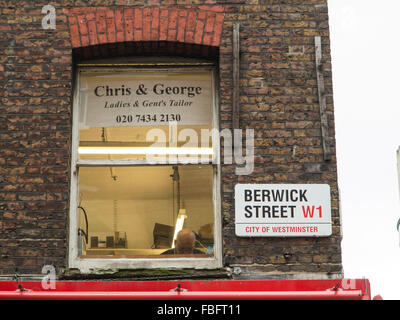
{"x":144,"y":167}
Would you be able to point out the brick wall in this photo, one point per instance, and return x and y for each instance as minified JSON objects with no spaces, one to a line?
{"x":278,"y":98}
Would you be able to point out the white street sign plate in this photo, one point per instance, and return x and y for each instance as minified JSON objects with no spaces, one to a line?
{"x":283,"y":210}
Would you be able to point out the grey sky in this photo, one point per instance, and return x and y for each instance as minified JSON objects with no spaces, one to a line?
{"x":365,"y":49}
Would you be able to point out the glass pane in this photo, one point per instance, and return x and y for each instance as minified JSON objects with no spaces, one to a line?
{"x":138,"y":212}
{"x":162,"y":144}
{"x":155,"y":115}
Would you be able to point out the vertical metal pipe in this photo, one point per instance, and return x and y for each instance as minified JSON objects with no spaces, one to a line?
{"x":236,"y":76}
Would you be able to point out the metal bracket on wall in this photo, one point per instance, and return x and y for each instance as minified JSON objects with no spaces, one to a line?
{"x":236,"y":77}
{"x":322,"y":99}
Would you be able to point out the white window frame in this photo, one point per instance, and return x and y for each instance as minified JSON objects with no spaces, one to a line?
{"x":88,"y":265}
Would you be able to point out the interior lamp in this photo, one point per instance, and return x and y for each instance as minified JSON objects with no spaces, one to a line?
{"x":148,"y":150}
{"x":180,"y":220}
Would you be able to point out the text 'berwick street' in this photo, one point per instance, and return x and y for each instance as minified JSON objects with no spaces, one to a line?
{"x":272,"y":211}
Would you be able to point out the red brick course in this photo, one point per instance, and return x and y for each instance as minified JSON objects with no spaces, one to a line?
{"x":190,"y":25}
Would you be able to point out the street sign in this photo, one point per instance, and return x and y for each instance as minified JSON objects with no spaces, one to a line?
{"x":283,"y":210}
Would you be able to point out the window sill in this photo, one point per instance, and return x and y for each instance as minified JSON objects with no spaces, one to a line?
{"x":92,"y":264}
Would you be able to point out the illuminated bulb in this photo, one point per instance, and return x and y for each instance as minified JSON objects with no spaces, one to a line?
{"x":179,"y":224}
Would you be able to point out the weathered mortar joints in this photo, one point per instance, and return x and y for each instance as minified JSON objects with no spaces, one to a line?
{"x":278,"y":97}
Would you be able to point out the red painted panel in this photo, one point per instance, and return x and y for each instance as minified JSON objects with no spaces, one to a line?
{"x":192,"y":289}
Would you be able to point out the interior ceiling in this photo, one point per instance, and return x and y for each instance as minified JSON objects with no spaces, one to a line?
{"x":149,"y":182}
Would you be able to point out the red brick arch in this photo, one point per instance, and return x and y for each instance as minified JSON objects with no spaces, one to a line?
{"x":192,"y":25}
